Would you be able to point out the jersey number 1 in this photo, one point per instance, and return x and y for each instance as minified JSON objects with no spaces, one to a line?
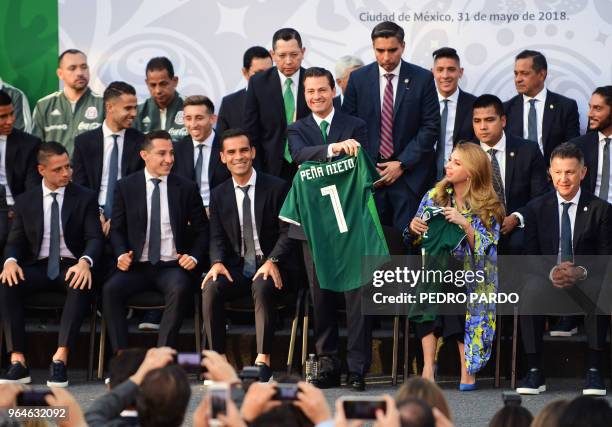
{"x":332,"y":192}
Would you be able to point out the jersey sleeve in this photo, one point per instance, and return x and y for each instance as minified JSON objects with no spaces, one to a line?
{"x":290,"y":212}
{"x":38,"y":126}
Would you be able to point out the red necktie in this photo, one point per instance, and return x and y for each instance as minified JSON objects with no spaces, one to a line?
{"x":386,"y":120}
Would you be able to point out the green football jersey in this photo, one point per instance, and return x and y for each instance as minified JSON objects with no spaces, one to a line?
{"x":333,"y":202}
{"x":148,"y":118}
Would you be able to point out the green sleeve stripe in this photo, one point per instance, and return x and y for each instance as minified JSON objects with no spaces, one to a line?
{"x":289,"y":220}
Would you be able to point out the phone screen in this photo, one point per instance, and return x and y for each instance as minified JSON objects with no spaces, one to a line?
{"x":32,"y":398}
{"x":218,"y":401}
{"x":190,"y":362}
{"x":363,"y":409}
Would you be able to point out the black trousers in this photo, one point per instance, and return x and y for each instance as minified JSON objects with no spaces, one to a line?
{"x":446,"y":326}
{"x":359,"y":329}
{"x":265,"y":296}
{"x":174,"y":282}
{"x":76,"y":307}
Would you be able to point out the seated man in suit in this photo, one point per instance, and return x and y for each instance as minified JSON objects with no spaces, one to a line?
{"x":518,"y":169}
{"x":196,"y":157}
{"x":323,"y":135}
{"x":231,"y":113}
{"x":106,"y":154}
{"x":17,"y":153}
{"x":536,"y":113}
{"x":344,"y":67}
{"x":249,"y":247}
{"x":159,"y":235}
{"x":55,"y":240}
{"x":455,"y":106}
{"x":571,"y":232}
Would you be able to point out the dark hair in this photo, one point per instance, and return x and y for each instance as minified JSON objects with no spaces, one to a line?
{"x":286,"y":34}
{"x":320,"y":72}
{"x":567,"y":150}
{"x":414,"y":412}
{"x":511,"y":416}
{"x":124,"y":365}
{"x":586,"y":411}
{"x":233,"y":133}
{"x":605,"y":92}
{"x":68,"y":52}
{"x":200,"y":100}
{"x":116,"y":89}
{"x":388,"y":29}
{"x":539,"y":60}
{"x":5,"y":98}
{"x":160,"y":63}
{"x":446,"y":52}
{"x":156,"y":134}
{"x":487,"y":100}
{"x":285,"y":415}
{"x":48,"y":149}
{"x":252,"y":53}
{"x":163,"y":398}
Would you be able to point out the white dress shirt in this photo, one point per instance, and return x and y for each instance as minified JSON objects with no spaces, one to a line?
{"x":540,"y":104}
{"x":295,"y":78}
{"x":106,"y":157}
{"x":46,"y":237}
{"x":168,"y":248}
{"x":328,"y":119}
{"x":239,"y":199}
{"x":602,"y":142}
{"x":3,"y":174}
{"x":383,"y":82}
{"x":571,"y":212}
{"x":450,"y":120}
{"x":162,"y":118}
{"x":203,"y":180}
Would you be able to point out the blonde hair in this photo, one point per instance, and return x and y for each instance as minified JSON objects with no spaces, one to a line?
{"x":427,"y":391}
{"x":479,"y":197}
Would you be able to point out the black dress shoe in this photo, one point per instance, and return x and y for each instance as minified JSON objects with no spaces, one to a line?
{"x":328,"y":379}
{"x":356,"y":381}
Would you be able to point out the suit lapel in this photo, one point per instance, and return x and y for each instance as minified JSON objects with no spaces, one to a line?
{"x":301,"y":107}
{"x":277,"y":95}
{"x":174,"y":205}
{"x":374,"y":81}
{"x":215,"y":159}
{"x":260,"y":202}
{"x":315,"y":131}
{"x":552,"y":211}
{"x":97,"y":153}
{"x":582,"y":213}
{"x":68,"y":206}
{"x":129,"y":146}
{"x":549,"y":110}
{"x":140,"y":195}
{"x":37,"y":204}
{"x":402,"y":87}
{"x":516,"y":110}
{"x":231,"y":213}
{"x":11,"y":152}
{"x":511,"y":151}
{"x":591,"y":159}
{"x":460,"y":115}
{"x":335,"y":129}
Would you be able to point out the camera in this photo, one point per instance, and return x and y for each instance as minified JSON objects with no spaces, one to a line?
{"x":190,"y":362}
{"x":286,"y":392}
{"x":362,"y":407}
{"x":219,"y":395}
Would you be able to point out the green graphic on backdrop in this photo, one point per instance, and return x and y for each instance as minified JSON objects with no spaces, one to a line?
{"x":29,"y":43}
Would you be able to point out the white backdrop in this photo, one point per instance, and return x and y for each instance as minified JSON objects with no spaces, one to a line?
{"x":205,"y":39}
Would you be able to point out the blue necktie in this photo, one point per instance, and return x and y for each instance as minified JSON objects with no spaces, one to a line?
{"x":567,"y":253}
{"x":250,"y":261}
{"x":53,"y":262}
{"x":532,"y":122}
{"x":155,"y":223}
{"x":198,"y":166}
{"x":113,"y":175}
{"x":442,"y":141}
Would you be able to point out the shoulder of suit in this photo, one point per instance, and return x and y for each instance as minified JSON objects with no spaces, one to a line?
{"x":467,"y":96}
{"x":270,"y":180}
{"x":542,"y":199}
{"x":134,"y":133}
{"x":233,"y":97}
{"x":80,"y":190}
{"x":180,"y":180}
{"x":557,"y":97}
{"x":511,"y":101}
{"x":88,"y":135}
{"x":24,"y":137}
{"x":416,"y":70}
{"x":356,"y":121}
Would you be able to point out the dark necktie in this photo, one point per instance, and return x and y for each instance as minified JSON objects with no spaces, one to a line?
{"x":53,"y":263}
{"x":532,"y":122}
{"x":155,"y":223}
{"x":605,"y":171}
{"x":324,"y":125}
{"x":442,"y":141}
{"x":113,"y":174}
{"x":566,"y":234}
{"x":289,"y":103}
{"x":498,"y":184}
{"x":250,"y":261}
{"x":386,"y":120}
{"x":198,"y":165}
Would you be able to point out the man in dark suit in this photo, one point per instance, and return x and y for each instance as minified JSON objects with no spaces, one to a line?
{"x":231,"y":113}
{"x":104,"y":155}
{"x":249,"y":247}
{"x":570,"y":231}
{"x":518,"y":169}
{"x":595,"y":145}
{"x":455,"y":106}
{"x":159,"y":234}
{"x":55,"y":240}
{"x":275,"y":98}
{"x":196,"y":157}
{"x":321,"y":136}
{"x":536,"y":113}
{"x":17,"y":153}
{"x":344,"y":67}
{"x":398,"y":102}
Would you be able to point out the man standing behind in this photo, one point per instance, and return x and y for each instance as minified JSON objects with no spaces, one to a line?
{"x":536,"y":113}
{"x":164,"y":109}
{"x":231,"y":114}
{"x":104,"y":155}
{"x":344,"y":67}
{"x":64,"y":114}
{"x":398,"y":102}
{"x":275,"y":99}
{"x":455,"y":106}
{"x":23,"y":116}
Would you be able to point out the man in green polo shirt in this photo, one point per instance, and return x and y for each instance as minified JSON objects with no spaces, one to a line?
{"x":64,"y":114}
{"x":164,"y":109}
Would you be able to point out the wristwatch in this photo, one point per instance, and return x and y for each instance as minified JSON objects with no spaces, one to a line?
{"x":273,"y":259}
